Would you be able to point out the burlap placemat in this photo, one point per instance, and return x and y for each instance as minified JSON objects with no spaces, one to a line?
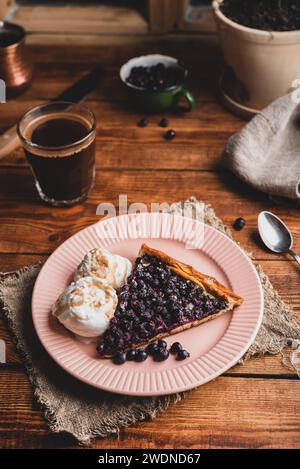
{"x":73,"y":407}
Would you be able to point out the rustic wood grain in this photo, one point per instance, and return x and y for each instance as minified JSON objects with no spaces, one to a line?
{"x":227,"y":413}
{"x":101,"y":19}
{"x":253,"y":405}
{"x":21,"y":211}
{"x":160,"y":16}
{"x":186,"y":155}
{"x":197,"y":51}
{"x":112,"y":116}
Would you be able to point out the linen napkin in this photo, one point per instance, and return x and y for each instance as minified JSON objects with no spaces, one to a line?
{"x":266,"y":152}
{"x":86,"y":412}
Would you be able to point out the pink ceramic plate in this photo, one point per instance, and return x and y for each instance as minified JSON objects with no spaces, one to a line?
{"x":214,"y":346}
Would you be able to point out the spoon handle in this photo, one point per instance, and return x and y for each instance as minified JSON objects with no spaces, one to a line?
{"x":295,"y":256}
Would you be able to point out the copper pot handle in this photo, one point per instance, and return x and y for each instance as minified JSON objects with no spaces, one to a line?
{"x":9,"y":141}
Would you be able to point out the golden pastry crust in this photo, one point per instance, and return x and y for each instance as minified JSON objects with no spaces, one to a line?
{"x":210,"y":284}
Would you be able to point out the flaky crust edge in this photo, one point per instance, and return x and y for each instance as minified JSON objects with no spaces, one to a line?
{"x":210,"y":284}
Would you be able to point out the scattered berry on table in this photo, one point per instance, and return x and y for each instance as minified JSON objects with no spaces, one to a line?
{"x":163,"y":122}
{"x":239,"y":223}
{"x":143,"y":122}
{"x":170,"y":134}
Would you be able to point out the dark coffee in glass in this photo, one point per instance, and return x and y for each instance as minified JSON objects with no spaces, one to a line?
{"x":59,"y":143}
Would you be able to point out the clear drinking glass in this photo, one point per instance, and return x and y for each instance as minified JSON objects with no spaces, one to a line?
{"x":59,"y":143}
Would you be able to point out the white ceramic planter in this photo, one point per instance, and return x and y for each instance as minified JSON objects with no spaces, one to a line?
{"x":260,"y":65}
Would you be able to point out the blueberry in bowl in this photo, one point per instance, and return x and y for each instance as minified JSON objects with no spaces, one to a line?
{"x":156,"y":83}
{"x":156,"y":77}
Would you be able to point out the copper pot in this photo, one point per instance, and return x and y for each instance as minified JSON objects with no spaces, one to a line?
{"x":15,"y":69}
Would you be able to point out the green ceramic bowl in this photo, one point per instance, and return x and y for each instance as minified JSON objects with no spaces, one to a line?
{"x":156,"y":101}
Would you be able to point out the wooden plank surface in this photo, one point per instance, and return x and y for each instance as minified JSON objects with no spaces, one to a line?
{"x":62,"y":19}
{"x":252,"y":405}
{"x":226,"y":413}
{"x":228,"y":196}
{"x":5,"y":7}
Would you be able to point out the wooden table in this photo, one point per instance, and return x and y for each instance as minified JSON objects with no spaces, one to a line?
{"x":255,"y":405}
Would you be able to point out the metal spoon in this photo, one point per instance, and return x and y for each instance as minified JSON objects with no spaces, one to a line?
{"x":275,"y":234}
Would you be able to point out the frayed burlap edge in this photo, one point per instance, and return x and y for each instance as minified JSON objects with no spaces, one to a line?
{"x":103,"y":414}
{"x":98,"y":413}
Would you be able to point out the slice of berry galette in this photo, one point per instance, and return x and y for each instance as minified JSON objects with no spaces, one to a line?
{"x":161,"y":297}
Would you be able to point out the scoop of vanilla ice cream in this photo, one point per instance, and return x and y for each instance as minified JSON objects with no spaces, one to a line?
{"x":86,"y":306}
{"x":105,"y":266}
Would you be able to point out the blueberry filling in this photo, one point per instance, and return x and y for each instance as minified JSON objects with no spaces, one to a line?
{"x":163,"y":122}
{"x":154,"y":301}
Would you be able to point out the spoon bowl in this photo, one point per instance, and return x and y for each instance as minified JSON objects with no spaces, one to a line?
{"x":275,"y":234}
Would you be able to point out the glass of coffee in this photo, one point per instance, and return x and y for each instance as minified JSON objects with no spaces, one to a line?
{"x":59,"y":143}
